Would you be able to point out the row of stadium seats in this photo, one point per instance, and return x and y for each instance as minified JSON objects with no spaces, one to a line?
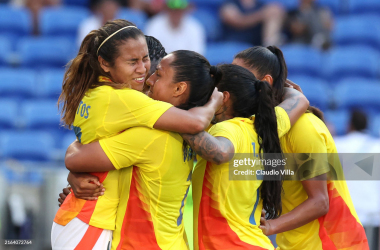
{"x":64,"y":22}
{"x":21,"y":175}
{"x":29,"y":114}
{"x":55,"y":22}
{"x":37,"y":145}
{"x":340,"y":120}
{"x":337,"y":63}
{"x":26,"y":83}
{"x":33,"y":145}
{"x":349,"y":93}
{"x":337,"y":6}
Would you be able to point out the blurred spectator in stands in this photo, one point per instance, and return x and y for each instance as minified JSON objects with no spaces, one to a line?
{"x":310,"y":24}
{"x":367,"y":203}
{"x":150,"y":7}
{"x":176,"y":29}
{"x":35,"y":7}
{"x":103,"y":11}
{"x":252,"y":22}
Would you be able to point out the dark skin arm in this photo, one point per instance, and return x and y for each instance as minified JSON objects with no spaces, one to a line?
{"x":294,"y":103}
{"x":192,"y":121}
{"x":314,"y":207}
{"x":219,"y":150}
{"x":84,"y":186}
{"x":213,"y":149}
{"x":87,"y":158}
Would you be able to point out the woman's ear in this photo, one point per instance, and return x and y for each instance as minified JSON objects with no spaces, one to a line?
{"x":269,"y":79}
{"x":226,"y":96}
{"x":180,"y":88}
{"x":104,"y":64}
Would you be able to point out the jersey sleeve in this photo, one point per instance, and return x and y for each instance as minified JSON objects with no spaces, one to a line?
{"x":307,"y":142}
{"x":283,"y":121}
{"x":135,"y":146}
{"x":226,"y":130}
{"x":130,"y":108}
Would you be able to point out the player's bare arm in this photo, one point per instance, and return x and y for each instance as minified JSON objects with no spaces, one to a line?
{"x":87,"y":158}
{"x":213,"y":149}
{"x":314,"y":207}
{"x":294,"y":103}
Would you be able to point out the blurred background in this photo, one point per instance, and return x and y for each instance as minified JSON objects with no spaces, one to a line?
{"x":332,"y":49}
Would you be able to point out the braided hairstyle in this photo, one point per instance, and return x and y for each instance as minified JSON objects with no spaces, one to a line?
{"x":156,"y":52}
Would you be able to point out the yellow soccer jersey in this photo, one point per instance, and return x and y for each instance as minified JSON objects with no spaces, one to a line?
{"x":104,"y":112}
{"x":152,"y":216}
{"x":227,"y":212}
{"x":340,"y":228}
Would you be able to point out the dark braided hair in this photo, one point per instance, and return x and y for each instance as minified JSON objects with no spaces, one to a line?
{"x":156,"y":52}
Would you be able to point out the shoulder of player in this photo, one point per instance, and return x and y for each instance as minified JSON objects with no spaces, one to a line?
{"x":310,"y":125}
{"x":225,"y":125}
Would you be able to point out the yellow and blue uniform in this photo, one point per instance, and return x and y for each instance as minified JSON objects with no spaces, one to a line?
{"x":104,"y":112}
{"x":150,"y":214}
{"x":227,"y":212}
{"x":340,"y":228}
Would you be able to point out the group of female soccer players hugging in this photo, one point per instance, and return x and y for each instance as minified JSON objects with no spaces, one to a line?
{"x":142,"y":117}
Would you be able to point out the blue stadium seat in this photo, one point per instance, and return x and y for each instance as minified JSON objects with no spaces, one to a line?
{"x":210,"y":22}
{"x":40,"y":114}
{"x":351,"y":30}
{"x":15,"y":22}
{"x":8,"y":113}
{"x":351,"y":61}
{"x":224,"y":52}
{"x":45,"y":52}
{"x":62,"y":22}
{"x":316,"y":90}
{"x":375,"y":126}
{"x":31,"y":145}
{"x":67,"y":140}
{"x":334,"y":5}
{"x":51,"y":83}
{"x":361,"y":95}
{"x":364,"y":6}
{"x":17,"y":82}
{"x":5,"y":50}
{"x":211,"y":5}
{"x":288,"y":4}
{"x":137,"y":17}
{"x":302,"y":59}
{"x":339,"y":119}
{"x":83,"y":3}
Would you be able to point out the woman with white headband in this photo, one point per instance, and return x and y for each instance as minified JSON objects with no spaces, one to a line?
{"x":100,"y":98}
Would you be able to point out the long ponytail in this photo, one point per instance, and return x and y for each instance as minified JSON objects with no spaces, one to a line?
{"x":83,"y":71}
{"x":270,"y":61}
{"x":269,"y":143}
{"x":253,"y":97}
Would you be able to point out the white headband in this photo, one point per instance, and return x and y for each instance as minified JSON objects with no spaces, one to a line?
{"x":97,"y":52}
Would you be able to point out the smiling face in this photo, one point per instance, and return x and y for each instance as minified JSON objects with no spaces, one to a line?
{"x":162,"y":86}
{"x":132,"y":65}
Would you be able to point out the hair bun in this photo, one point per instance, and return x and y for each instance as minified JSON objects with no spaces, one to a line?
{"x":213,"y":70}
